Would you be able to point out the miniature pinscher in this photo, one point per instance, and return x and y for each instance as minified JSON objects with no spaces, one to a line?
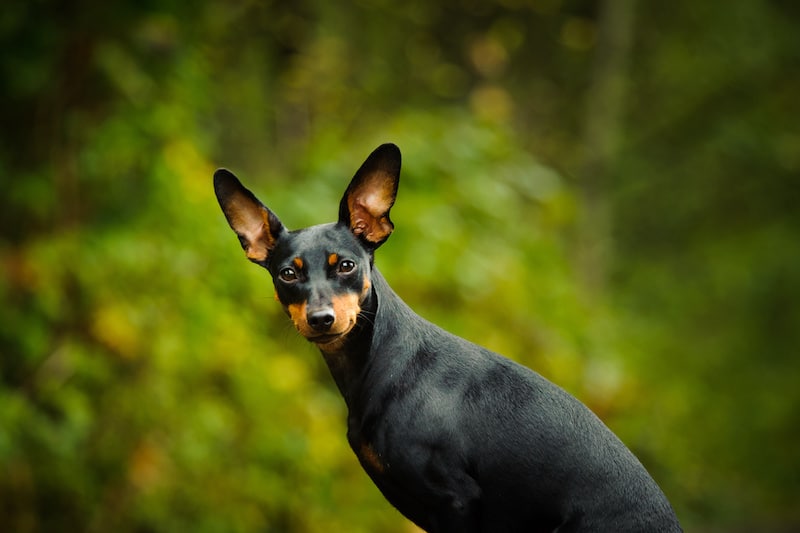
{"x":456,"y":437}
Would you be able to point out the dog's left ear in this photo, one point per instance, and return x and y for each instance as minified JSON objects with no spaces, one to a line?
{"x":369,"y":197}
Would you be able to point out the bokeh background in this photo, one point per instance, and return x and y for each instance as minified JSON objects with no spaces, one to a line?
{"x":606,"y":192}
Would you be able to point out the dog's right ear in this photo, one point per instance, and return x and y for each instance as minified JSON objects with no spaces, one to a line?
{"x":257,"y":227}
{"x":366,"y":203}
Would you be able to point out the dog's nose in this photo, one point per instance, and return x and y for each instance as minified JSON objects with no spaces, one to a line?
{"x":321,"y":319}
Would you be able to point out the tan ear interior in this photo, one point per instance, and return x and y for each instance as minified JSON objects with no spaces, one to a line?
{"x":369,"y":206}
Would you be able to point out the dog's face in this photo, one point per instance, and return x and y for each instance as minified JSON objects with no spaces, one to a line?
{"x":321,"y":276}
{"x":321,"y":273}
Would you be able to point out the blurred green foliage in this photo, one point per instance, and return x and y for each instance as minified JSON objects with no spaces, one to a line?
{"x":149,"y":382}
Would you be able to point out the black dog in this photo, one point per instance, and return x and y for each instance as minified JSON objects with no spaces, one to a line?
{"x":458,"y":438}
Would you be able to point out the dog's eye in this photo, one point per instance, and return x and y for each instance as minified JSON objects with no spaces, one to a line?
{"x":346,"y":266}
{"x":288,"y":275}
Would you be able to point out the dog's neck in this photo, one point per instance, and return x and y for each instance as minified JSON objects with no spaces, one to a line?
{"x":353,"y":363}
{"x":347,"y":360}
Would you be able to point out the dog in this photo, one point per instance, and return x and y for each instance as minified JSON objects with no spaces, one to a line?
{"x":456,"y":437}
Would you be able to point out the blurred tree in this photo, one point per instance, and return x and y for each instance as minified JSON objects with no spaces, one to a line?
{"x":601,"y":132}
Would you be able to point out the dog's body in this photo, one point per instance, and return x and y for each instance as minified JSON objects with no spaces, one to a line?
{"x":458,"y":438}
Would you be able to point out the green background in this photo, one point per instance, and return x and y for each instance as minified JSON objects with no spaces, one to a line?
{"x":605,"y":192}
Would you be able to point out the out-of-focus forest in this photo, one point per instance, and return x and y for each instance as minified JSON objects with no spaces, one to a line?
{"x":606,"y":192}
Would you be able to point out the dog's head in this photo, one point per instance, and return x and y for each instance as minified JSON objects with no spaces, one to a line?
{"x":321,"y":273}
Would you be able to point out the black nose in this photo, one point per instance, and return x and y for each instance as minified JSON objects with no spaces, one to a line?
{"x":321,"y":319}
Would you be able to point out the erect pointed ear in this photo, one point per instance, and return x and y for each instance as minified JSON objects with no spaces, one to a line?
{"x":257,"y":227}
{"x":369,"y":197}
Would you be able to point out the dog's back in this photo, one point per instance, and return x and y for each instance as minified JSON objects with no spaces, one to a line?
{"x":508,"y":449}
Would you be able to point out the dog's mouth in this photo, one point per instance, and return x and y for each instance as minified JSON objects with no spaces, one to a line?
{"x":326,"y":338}
{"x":345,"y":316}
{"x":332,"y":338}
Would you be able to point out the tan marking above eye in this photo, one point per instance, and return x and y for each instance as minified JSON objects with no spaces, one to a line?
{"x":333,"y":259}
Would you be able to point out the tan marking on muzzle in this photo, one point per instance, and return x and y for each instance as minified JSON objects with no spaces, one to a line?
{"x":297,"y":312}
{"x":345,"y":310}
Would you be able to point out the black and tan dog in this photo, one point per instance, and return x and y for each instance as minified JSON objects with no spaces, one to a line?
{"x":458,"y":438}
